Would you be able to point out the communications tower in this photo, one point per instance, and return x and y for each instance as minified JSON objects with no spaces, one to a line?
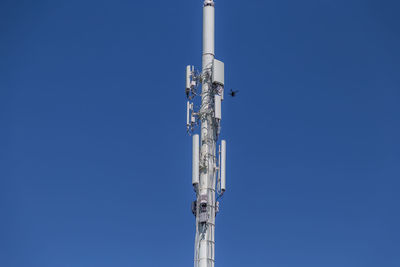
{"x":204,"y":116}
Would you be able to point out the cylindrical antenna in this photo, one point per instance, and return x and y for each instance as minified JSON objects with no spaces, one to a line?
{"x":188,"y":72}
{"x":208,"y":29}
{"x":217,"y":107}
{"x":219,"y":171}
{"x":223,"y":167}
{"x":187,"y":114}
{"x":196,"y":160}
{"x":192,"y":77}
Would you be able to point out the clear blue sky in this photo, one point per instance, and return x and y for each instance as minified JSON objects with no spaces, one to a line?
{"x":95,"y":164}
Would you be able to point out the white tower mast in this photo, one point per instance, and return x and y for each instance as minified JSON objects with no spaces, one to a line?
{"x":205,"y":162}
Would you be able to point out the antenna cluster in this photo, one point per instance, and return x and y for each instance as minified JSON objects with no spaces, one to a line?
{"x":215,"y":77}
{"x":208,"y":165}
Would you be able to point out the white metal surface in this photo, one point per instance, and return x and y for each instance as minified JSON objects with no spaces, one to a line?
{"x":188,"y":71}
{"x":196,"y":160}
{"x":187,"y":113}
{"x":205,"y":232}
{"x":223,"y":166}
{"x":208,"y":31}
{"x":217,"y":106}
{"x":193,"y":118}
{"x":218,"y":72}
{"x":205,"y":167}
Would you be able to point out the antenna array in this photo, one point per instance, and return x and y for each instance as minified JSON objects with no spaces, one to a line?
{"x":208,"y":174}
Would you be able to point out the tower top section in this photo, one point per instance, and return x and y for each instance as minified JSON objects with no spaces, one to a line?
{"x":208,"y":3}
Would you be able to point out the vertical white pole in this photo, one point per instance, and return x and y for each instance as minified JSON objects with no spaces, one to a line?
{"x":204,"y":247}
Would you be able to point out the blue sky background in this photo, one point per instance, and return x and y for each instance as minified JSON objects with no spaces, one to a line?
{"x":95,"y":163}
